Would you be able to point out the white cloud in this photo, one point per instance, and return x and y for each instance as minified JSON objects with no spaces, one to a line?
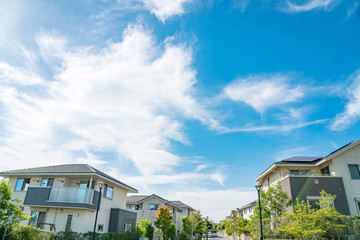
{"x":187,"y":178}
{"x":164,"y":9}
{"x":216,"y":204}
{"x":129,"y":97}
{"x":16,"y":75}
{"x":277,"y":128}
{"x":241,"y":4}
{"x":351,"y":10}
{"x":263,"y":91}
{"x":351,"y":114}
{"x":309,"y":5}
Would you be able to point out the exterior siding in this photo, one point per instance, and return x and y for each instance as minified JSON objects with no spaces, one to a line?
{"x":302,"y":187}
{"x":120,"y":217}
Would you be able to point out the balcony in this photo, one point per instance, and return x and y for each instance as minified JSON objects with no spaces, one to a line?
{"x":71,"y":194}
{"x":79,"y":198}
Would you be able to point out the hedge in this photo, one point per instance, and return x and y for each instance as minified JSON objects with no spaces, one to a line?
{"x":22,"y":232}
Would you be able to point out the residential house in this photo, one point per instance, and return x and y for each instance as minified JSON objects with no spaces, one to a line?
{"x":146,"y":207}
{"x":65,"y":197}
{"x":304,"y":177}
{"x":247,"y":210}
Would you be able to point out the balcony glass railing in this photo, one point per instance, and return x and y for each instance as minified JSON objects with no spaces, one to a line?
{"x":71,"y":194}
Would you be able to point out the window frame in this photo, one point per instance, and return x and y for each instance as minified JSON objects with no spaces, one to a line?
{"x":358,"y":171}
{"x":157,"y":206}
{"x":24,"y":185}
{"x":357,"y":202}
{"x":105,"y":193}
{"x":316,"y":199}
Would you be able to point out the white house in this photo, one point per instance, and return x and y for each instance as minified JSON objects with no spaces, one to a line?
{"x":65,"y":197}
{"x":303,"y":177}
{"x":146,"y":207}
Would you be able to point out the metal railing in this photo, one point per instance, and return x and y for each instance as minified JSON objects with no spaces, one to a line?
{"x":71,"y":194}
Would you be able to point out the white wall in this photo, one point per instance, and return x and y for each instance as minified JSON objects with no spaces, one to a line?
{"x":352,"y":186}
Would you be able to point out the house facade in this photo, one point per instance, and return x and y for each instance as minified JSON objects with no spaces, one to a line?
{"x":65,"y":198}
{"x":304,"y":177}
{"x":146,"y":207}
{"x":247,"y":210}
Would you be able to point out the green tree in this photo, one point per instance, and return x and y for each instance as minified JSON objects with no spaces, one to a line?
{"x":187,"y":227}
{"x":164,"y":223}
{"x":10,"y":210}
{"x":274,"y":202}
{"x":197,"y":223}
{"x":145,"y":228}
{"x":308,"y":222}
{"x":237,"y":225}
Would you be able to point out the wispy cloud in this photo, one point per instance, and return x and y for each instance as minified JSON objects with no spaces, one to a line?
{"x":309,"y":5}
{"x":351,"y":113}
{"x":15,"y":75}
{"x":277,"y":128}
{"x":264,"y":91}
{"x":240,"y":4}
{"x":164,"y":9}
{"x":353,"y":8}
{"x":129,"y":97}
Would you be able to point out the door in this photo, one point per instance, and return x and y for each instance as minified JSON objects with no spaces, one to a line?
{"x":81,"y":192}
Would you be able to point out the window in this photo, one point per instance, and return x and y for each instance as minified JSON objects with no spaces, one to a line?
{"x":127,"y":227}
{"x":68,"y":223}
{"x":47,"y":182}
{"x":325,"y":170}
{"x":134,"y":207}
{"x":314,"y":202}
{"x":37,"y":218}
{"x":22,"y":184}
{"x":300,"y":172}
{"x":153,"y":207}
{"x":108,"y":191}
{"x":354,"y":171}
{"x":101,"y":227}
{"x":358,"y":204}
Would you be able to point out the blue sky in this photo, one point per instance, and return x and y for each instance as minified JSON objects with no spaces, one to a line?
{"x":187,"y":99}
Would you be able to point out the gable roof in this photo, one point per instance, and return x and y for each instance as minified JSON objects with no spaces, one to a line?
{"x":67,"y":169}
{"x":253,"y":203}
{"x":315,"y":161}
{"x":181,"y":204}
{"x":136,"y":199}
{"x":339,"y":151}
{"x":300,"y":161}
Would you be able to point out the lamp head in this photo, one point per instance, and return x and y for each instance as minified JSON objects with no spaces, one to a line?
{"x":101,"y":185}
{"x":258,"y":187}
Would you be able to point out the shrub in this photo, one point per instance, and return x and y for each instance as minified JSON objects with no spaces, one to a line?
{"x":22,"y":232}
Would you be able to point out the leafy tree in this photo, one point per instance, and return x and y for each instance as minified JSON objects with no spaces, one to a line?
{"x":198,"y":223}
{"x":237,"y":225}
{"x":187,"y":227}
{"x":274,"y":202}
{"x":164,"y":223}
{"x":145,"y":228}
{"x":10,"y":210}
{"x":308,"y":222}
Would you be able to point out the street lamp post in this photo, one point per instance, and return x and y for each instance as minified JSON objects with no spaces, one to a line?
{"x":258,"y":187}
{"x":101,"y":185}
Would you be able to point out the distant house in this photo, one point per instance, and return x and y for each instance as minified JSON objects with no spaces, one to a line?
{"x":303,"y":177}
{"x":146,"y":207}
{"x":65,"y":198}
{"x":247,"y":210}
